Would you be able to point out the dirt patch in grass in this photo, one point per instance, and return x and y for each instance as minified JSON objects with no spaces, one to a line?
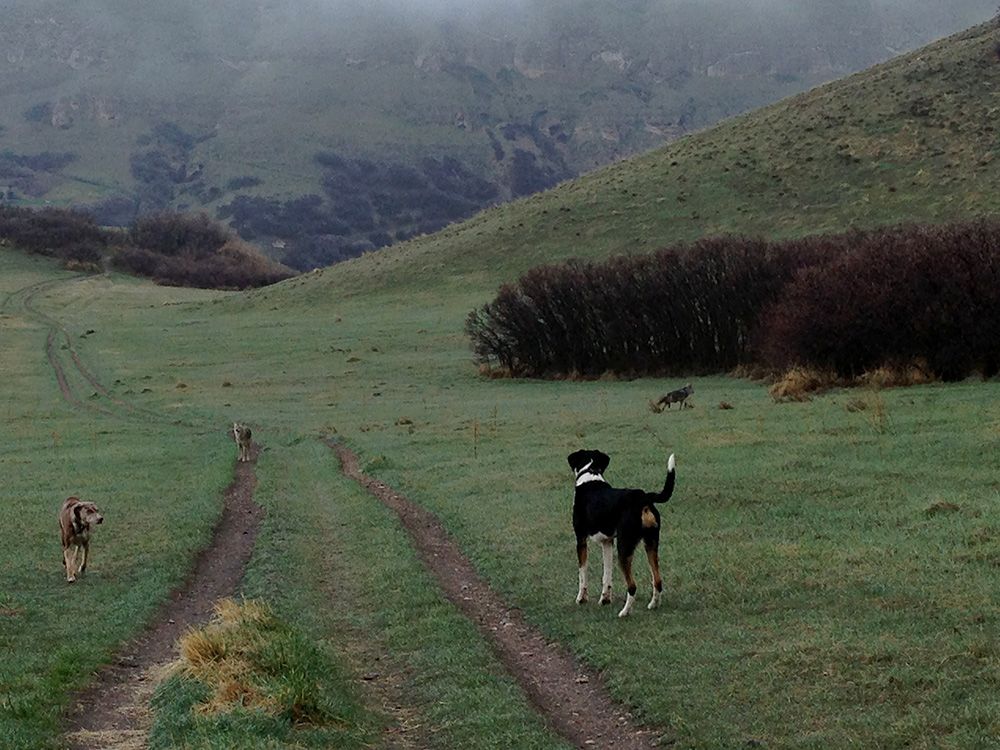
{"x":570,"y":697}
{"x":113,"y":712}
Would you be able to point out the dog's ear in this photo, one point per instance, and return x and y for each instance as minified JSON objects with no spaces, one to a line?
{"x":76,"y":510}
{"x":601,"y":461}
{"x":577,"y":459}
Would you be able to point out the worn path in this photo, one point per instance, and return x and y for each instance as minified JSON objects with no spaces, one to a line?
{"x":570,"y":697}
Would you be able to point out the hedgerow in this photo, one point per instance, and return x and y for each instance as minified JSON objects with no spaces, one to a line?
{"x":844,"y":303}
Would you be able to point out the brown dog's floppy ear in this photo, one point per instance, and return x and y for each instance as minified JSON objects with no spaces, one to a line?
{"x":601,"y":461}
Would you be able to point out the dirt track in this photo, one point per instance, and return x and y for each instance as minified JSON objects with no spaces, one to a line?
{"x":570,"y":697}
{"x":111,"y":712}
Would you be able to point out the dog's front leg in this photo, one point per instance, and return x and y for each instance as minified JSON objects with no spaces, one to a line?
{"x":86,"y":556}
{"x":69,"y":557}
{"x":607,"y":547}
{"x":581,"y":558}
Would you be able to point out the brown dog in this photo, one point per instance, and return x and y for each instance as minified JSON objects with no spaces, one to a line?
{"x":76,"y":518}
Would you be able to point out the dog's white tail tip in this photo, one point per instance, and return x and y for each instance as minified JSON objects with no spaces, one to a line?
{"x":671,"y":463}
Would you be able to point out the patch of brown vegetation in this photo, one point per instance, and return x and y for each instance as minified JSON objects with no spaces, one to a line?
{"x":940,"y":508}
{"x":801,"y":384}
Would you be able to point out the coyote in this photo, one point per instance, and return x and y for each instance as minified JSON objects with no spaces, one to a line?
{"x":76,"y":519}
{"x":674,"y":397}
{"x":243,"y":437}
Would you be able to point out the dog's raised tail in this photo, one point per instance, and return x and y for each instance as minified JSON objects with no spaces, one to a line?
{"x":668,"y":485}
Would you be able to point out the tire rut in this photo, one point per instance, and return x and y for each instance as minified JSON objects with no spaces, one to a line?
{"x":570,"y":697}
{"x":112,"y":712}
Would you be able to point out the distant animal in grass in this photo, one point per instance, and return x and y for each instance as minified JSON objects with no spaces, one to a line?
{"x":244,"y":440}
{"x":607,"y":514}
{"x":76,"y":520}
{"x":679,"y":396}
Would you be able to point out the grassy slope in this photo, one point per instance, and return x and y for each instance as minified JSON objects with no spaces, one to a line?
{"x":813,"y":601}
{"x":850,"y":153}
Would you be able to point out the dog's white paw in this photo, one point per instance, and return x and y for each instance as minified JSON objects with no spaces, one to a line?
{"x":627,"y":609}
{"x":71,"y":580}
{"x":654,"y":602}
{"x":606,"y":597}
{"x":581,"y":598}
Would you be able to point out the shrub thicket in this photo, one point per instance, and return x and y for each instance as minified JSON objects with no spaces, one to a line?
{"x":192,"y":250}
{"x":844,"y":304}
{"x":70,"y":236}
{"x":181,"y":249}
{"x":928,"y":294}
{"x":687,"y":309}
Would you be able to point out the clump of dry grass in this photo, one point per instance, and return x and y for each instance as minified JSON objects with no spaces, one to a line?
{"x":494,"y":372}
{"x":250,"y":660}
{"x":725,"y":405}
{"x":219,"y":655}
{"x":897,"y":376}
{"x":800,"y":383}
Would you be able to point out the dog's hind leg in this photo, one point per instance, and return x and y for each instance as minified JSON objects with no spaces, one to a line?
{"x":625,"y":560}
{"x":608,"y":550}
{"x":653,"y":556}
{"x":581,"y":558}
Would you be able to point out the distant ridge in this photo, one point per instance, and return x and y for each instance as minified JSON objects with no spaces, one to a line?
{"x":324,"y":128}
{"x":913,"y":139}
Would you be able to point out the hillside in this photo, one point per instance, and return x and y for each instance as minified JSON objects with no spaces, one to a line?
{"x":822,"y":561}
{"x":337,"y":127}
{"x":909,"y":140}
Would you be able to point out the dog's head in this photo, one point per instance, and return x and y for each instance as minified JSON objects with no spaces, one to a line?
{"x":589,"y":462}
{"x":85,"y":514}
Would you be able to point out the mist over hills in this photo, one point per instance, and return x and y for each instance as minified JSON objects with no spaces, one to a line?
{"x":335,"y":126}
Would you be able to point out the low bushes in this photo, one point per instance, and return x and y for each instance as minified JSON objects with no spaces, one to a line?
{"x":71,"y":236}
{"x":180,"y":249}
{"x":911,"y":299}
{"x":186,"y":250}
{"x":896,"y":296}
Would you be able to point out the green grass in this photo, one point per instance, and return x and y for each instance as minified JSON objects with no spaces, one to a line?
{"x":819,"y":593}
{"x":54,"y":634}
{"x":812,"y":599}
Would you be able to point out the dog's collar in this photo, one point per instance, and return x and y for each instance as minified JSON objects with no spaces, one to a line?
{"x":583,"y":475}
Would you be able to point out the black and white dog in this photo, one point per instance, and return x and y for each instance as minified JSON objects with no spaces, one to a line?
{"x":604,"y":512}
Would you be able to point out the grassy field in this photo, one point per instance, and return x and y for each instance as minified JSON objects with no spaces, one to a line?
{"x":830,"y":573}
